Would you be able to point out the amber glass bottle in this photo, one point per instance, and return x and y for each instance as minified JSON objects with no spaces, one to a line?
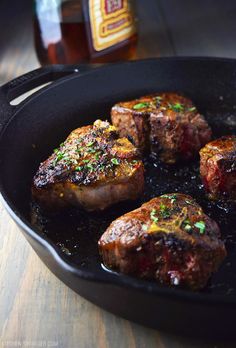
{"x":74,"y":31}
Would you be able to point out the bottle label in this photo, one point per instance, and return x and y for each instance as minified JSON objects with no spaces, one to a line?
{"x":111,"y":22}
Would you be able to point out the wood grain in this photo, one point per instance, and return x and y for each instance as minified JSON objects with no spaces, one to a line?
{"x":200,"y":28}
{"x":36,"y":309}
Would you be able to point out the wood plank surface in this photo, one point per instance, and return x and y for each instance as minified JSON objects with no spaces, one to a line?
{"x":36,"y":309}
{"x":200,"y":28}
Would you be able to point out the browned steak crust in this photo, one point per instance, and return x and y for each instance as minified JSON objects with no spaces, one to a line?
{"x":218,"y":168}
{"x":131,"y":118}
{"x":169,"y":239}
{"x":93,"y":168}
{"x":167,"y":124}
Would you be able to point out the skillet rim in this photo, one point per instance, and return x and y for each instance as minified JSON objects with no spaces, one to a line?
{"x":149,"y":287}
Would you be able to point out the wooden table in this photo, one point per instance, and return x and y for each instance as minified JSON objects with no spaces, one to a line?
{"x":36,"y":309}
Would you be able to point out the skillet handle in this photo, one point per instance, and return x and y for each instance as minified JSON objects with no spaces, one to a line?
{"x":28,"y":81}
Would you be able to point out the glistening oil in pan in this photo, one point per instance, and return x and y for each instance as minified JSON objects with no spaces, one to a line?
{"x":76,"y":232}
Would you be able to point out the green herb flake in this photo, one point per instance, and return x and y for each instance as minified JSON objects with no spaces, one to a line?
{"x":68,"y":161}
{"x":192,"y":109}
{"x":90,"y":167}
{"x":92,"y":150}
{"x":201,"y":226}
{"x":134,"y":162}
{"x":141,"y":106}
{"x":115,"y":161}
{"x":153,"y":216}
{"x":56,"y":150}
{"x":157,"y":100}
{"x":176,"y":107}
{"x":165,"y":211}
{"x":188,"y":227}
{"x":188,"y":202}
{"x":144,"y":227}
{"x":60,"y":155}
{"x":172,"y":198}
{"x":78,"y":169}
{"x":86,"y":161}
{"x":90,"y":143}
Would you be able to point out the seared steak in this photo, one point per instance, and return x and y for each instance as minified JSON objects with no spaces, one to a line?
{"x":93,"y":168}
{"x":218,"y":168}
{"x":131,"y":118}
{"x":169,"y":239}
{"x":167,"y":124}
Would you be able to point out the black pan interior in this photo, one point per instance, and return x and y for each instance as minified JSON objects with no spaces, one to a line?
{"x":42,"y":123}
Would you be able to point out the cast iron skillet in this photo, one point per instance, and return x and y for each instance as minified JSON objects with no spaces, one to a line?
{"x":32,"y":129}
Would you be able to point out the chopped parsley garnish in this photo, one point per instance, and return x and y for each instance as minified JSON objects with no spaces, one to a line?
{"x":86,"y":161}
{"x":157,"y":100}
{"x":91,"y":150}
{"x":187,"y":225}
{"x":90,"y":167}
{"x":192,"y":109}
{"x":90,"y":143}
{"x":189,"y":202}
{"x":153,"y":216}
{"x":141,"y":106}
{"x":165,"y":211}
{"x":145,"y":227}
{"x":201,"y":226}
{"x":115,"y":161}
{"x":134,"y":162}
{"x":60,"y":155}
{"x":69,"y":161}
{"x":173,"y":197}
{"x":58,"y":148}
{"x":176,"y":107}
{"x":78,"y":169}
{"x":78,"y":141}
